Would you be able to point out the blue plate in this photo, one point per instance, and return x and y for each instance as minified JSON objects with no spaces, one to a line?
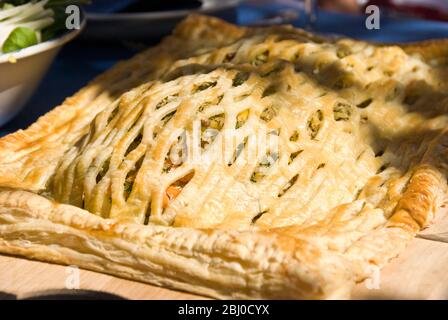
{"x":108,"y":6}
{"x":108,"y":20}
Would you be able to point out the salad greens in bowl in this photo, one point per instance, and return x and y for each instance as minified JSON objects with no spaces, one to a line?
{"x":31,"y":34}
{"x":26,"y":23}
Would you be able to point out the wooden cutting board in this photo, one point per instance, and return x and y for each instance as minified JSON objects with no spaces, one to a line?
{"x":419,"y":273}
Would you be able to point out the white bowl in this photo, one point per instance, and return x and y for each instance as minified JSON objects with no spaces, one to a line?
{"x":21,"y":71}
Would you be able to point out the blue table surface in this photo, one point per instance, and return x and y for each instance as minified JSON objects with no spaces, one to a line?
{"x":80,"y":61}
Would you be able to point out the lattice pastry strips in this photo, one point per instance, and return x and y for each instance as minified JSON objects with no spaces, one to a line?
{"x":236,"y":163}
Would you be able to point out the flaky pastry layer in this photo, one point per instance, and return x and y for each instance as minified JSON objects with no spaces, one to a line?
{"x":359,"y":169}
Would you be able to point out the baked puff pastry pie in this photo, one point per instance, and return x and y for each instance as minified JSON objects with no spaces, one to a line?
{"x":236,"y":163}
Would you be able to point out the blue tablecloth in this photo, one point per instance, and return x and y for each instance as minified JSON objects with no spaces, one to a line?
{"x":79,"y":61}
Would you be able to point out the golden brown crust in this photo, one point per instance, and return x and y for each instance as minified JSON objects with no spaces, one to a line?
{"x":73,"y":114}
{"x":367,"y":173}
{"x":217,"y":263}
{"x":429,"y":49}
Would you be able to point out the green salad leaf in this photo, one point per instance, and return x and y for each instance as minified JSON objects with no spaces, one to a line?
{"x":27,"y":22}
{"x":19,"y":38}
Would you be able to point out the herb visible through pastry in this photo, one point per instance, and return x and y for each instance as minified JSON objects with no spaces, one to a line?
{"x":266,"y":163}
